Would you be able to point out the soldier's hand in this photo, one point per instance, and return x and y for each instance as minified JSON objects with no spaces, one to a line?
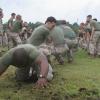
{"x":41,"y":83}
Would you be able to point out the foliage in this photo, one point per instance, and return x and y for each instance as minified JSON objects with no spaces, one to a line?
{"x":75,"y":27}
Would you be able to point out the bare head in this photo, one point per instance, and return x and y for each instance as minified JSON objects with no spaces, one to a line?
{"x":50,"y":22}
{"x":20,"y":57}
{"x":25,"y":24}
{"x":13,"y":15}
{"x":89,"y":17}
{"x":19,"y":17}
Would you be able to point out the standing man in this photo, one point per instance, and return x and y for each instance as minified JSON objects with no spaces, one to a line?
{"x":1,"y":27}
{"x":70,"y":40}
{"x":29,"y":62}
{"x":95,"y":35}
{"x":15,"y":29}
{"x":10,"y":22}
{"x":57,"y":38}
{"x":10,"y":27}
{"x":24,"y":32}
{"x":40,"y":34}
{"x":88,"y":31}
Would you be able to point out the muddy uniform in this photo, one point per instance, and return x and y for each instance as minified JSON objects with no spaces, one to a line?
{"x":39,"y":35}
{"x":58,"y":39}
{"x":70,"y":40}
{"x":23,"y":70}
{"x":60,"y":48}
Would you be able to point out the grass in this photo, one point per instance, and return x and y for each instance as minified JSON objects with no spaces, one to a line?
{"x":77,"y":81}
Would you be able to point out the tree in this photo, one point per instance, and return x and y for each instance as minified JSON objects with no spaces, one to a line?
{"x":38,"y":24}
{"x":75,"y":27}
{"x":31,"y":25}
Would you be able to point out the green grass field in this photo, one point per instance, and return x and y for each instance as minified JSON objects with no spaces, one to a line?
{"x":77,"y":81}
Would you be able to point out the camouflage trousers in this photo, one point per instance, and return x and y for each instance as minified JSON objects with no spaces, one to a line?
{"x":91,"y":48}
{"x":82,"y":43}
{"x":3,"y":39}
{"x":95,"y":44}
{"x":14,"y":37}
{"x":60,"y":49}
{"x":71,"y":44}
{"x":57,"y":51}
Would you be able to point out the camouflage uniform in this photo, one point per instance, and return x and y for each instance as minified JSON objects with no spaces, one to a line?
{"x":70,"y":40}
{"x":14,"y":33}
{"x":1,"y":32}
{"x":81,"y":36}
{"x":60,"y":48}
{"x":39,"y":35}
{"x":58,"y":40}
{"x":1,"y":27}
{"x":89,"y":45}
{"x":96,"y":36}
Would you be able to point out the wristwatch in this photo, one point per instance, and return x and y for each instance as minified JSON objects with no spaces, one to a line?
{"x":41,"y":76}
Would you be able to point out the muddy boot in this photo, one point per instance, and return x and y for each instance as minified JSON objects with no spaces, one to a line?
{"x":60,"y":59}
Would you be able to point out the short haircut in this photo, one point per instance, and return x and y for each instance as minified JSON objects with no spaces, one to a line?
{"x":50,"y":19}
{"x":18,"y":17}
{"x":13,"y":14}
{"x":20,"y":56}
{"x":95,"y":19}
{"x":89,"y":16}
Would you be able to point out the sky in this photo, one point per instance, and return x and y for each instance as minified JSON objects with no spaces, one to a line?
{"x":39,"y":10}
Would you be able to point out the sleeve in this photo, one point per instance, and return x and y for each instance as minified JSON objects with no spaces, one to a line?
{"x":5,"y":61}
{"x":34,"y":54}
{"x":92,"y":23}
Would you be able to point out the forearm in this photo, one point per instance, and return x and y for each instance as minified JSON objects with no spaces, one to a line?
{"x":43,"y":64}
{"x":4,"y":63}
{"x":92,"y":33}
{"x":44,"y":69}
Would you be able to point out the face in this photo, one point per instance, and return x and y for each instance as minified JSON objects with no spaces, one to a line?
{"x":88,"y":19}
{"x":51,"y":25}
{"x":25,"y":24}
{"x":13,"y":16}
{"x":18,"y":17}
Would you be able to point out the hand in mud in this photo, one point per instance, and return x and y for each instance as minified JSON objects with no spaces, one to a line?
{"x":41,"y":83}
